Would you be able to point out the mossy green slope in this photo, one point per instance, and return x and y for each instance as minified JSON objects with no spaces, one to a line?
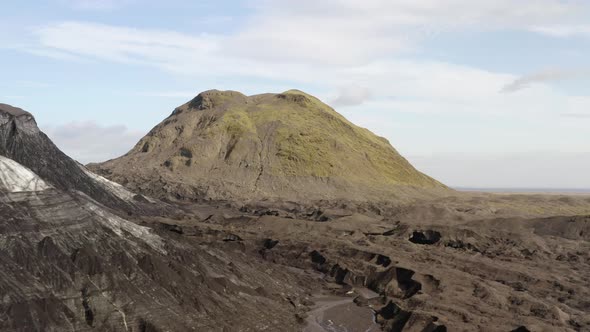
{"x":223,"y":144}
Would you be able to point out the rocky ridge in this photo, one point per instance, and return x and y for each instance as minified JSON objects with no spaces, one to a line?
{"x":72,"y":261}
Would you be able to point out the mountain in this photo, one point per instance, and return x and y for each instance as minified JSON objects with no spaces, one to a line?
{"x":225,"y":145}
{"x":82,"y":253}
{"x":22,"y":142}
{"x":72,"y":261}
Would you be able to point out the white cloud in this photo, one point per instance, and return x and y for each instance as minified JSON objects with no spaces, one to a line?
{"x":563,"y":31}
{"x":91,"y":142}
{"x":350,"y":32}
{"x":577,"y":115}
{"x":98,"y":41}
{"x":577,"y":107}
{"x":351,"y":95}
{"x":33,"y":84}
{"x":96,"y":4}
{"x":170,"y":94}
{"x":332,"y":33}
{"x":539,"y":169}
{"x":53,"y":54}
{"x":350,"y":52}
{"x":449,"y":13}
{"x":546,"y":76}
{"x":406,"y":85}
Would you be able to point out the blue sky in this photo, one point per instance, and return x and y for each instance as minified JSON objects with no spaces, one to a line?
{"x":475,"y":93}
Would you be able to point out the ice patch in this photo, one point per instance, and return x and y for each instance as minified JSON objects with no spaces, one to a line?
{"x":120,"y":226}
{"x":15,"y":177}
{"x":111,"y":186}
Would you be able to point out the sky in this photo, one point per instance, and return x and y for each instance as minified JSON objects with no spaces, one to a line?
{"x":486,"y":94}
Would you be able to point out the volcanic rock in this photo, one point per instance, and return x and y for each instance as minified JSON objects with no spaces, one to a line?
{"x":70,"y":262}
{"x":23,"y":143}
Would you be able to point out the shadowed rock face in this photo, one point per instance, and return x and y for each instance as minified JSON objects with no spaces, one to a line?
{"x":225,"y":145}
{"x":521,"y":329}
{"x":425,"y":237}
{"x":22,"y":141}
{"x":14,"y":119}
{"x":68,"y":263}
{"x":13,"y":111}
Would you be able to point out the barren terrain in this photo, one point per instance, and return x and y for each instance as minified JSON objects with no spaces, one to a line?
{"x":466,"y":269}
{"x":80,"y":252}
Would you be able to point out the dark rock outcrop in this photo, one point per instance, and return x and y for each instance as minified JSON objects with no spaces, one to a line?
{"x":425,"y":237}
{"x":71,"y":262}
{"x":22,"y":141}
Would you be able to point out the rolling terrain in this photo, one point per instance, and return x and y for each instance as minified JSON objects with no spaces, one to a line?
{"x":274,"y":213}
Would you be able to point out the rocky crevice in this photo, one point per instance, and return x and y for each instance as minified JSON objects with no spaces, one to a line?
{"x":88,"y":313}
{"x":395,"y":285}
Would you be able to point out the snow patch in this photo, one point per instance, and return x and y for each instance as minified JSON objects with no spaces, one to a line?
{"x":121,"y":226}
{"x":15,"y":177}
{"x":111,"y":186}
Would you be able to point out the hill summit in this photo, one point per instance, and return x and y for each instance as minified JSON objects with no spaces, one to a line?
{"x":225,"y":145}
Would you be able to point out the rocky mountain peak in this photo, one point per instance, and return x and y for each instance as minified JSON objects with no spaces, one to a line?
{"x":28,"y":154}
{"x":214,"y":98}
{"x":296,"y":96}
{"x":14,"y":118}
{"x":13,"y":111}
